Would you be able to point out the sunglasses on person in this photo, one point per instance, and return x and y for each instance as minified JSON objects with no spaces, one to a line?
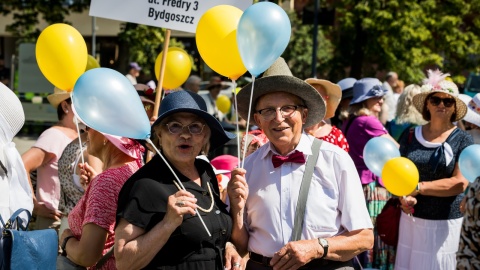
{"x":447,"y":102}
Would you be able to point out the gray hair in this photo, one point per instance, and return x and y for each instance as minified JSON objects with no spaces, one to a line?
{"x":193,"y":79}
{"x":406,"y":112}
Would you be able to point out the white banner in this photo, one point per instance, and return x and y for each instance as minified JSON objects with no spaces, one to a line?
{"x":181,"y":15}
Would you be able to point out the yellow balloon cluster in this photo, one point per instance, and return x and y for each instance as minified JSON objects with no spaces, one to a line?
{"x":177,"y":67}
{"x":61,"y":55}
{"x":216,"y":38}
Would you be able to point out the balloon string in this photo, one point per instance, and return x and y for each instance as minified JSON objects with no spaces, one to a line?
{"x":179,"y":182}
{"x":248,"y":120}
{"x":236,"y":119}
{"x":78,"y":131}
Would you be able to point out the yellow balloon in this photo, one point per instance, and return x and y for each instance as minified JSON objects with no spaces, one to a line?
{"x":223,"y":104}
{"x":216,"y":38}
{"x":61,"y":55}
{"x":177,"y":67}
{"x":92,"y":63}
{"x":400,"y":176}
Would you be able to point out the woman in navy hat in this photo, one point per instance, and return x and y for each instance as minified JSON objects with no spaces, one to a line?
{"x":157,"y":221}
{"x":362,"y":125}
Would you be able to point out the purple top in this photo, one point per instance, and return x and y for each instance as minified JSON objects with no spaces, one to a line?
{"x":362,"y":129}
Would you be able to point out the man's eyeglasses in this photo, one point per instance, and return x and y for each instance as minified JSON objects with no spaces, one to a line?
{"x":447,"y":102}
{"x":177,"y":128}
{"x":287,"y":111}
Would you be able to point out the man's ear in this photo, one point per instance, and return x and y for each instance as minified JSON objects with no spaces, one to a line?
{"x":256,"y":119}
{"x":64,"y":105}
{"x":304,"y":115}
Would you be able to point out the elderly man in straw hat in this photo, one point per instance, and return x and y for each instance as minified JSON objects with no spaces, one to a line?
{"x":270,"y":221}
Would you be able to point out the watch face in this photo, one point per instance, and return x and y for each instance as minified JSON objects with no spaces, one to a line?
{"x":324,"y":242}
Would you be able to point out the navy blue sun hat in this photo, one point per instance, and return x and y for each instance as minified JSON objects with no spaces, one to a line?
{"x":187,"y":101}
{"x":367,"y":88}
{"x":347,"y":87}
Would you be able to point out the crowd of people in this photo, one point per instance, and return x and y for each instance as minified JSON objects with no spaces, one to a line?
{"x":299,"y":195}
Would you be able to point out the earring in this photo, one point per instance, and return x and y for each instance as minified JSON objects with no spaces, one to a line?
{"x":66,"y":111}
{"x":104,"y":142}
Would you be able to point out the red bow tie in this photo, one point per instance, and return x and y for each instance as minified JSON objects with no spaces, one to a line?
{"x":296,"y":157}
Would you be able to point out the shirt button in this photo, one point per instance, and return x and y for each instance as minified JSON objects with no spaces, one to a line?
{"x":217,"y":212}
{"x":224,"y":231}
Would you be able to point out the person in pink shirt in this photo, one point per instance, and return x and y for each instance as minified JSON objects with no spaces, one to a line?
{"x":43,"y":157}
{"x":92,"y":220}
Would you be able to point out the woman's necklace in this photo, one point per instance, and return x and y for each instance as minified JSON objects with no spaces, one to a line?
{"x":211,"y":198}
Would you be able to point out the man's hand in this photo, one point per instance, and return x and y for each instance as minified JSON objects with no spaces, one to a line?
{"x":237,"y":190}
{"x":296,"y":254}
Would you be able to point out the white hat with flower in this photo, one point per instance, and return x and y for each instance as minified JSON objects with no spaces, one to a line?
{"x":437,"y":82}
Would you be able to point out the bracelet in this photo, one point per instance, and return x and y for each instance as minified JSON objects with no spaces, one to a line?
{"x":64,"y":245}
{"x":419,"y":189}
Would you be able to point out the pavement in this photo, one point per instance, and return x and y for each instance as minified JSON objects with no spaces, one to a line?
{"x":23,"y":143}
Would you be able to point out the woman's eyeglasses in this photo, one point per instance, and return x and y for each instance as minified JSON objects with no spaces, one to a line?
{"x":286,"y":111}
{"x":447,"y":102}
{"x":177,"y":128}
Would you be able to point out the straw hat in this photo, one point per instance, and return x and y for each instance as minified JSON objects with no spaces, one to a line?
{"x":333,"y":93}
{"x":437,"y":83}
{"x":473,"y":112}
{"x":12,"y":111}
{"x":279,"y":78}
{"x":57,"y":97}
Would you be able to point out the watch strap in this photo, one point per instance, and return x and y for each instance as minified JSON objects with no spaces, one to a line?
{"x":325,"y":247}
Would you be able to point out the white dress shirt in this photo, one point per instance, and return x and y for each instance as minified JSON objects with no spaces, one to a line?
{"x":335,"y":203}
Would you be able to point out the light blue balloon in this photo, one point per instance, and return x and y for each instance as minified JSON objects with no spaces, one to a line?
{"x":263,"y":33}
{"x":377,"y":152}
{"x":469,"y":162}
{"x":107,"y":101}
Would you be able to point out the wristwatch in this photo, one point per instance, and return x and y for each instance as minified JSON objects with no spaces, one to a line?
{"x":64,"y":245}
{"x":323,"y":243}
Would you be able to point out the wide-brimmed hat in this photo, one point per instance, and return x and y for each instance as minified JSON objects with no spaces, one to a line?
{"x":146,"y":93}
{"x":367,"y":88}
{"x":11,"y":111}
{"x":437,"y":83}
{"x":279,"y":78}
{"x":57,"y":97}
{"x":187,"y":101}
{"x":347,"y":87}
{"x":214,"y":81}
{"x":473,"y":108}
{"x":333,"y":92}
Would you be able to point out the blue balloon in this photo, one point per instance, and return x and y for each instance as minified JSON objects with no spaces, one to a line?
{"x":263,"y":33}
{"x":106,"y":101}
{"x":377,"y":152}
{"x":469,"y":162}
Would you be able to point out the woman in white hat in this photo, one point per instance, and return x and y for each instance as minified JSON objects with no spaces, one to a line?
{"x":43,"y":157}
{"x":431,"y":220}
{"x":332,"y":94}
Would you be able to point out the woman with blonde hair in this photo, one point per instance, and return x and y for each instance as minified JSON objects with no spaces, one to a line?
{"x":406,"y":114}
